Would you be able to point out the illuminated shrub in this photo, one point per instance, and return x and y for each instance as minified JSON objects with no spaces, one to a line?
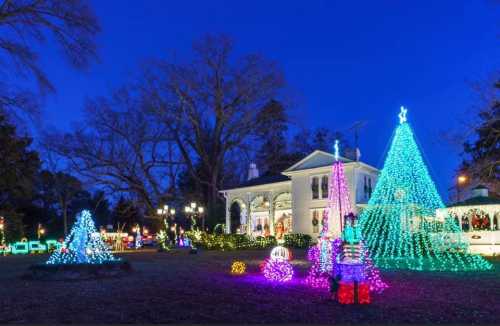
{"x":238,"y":268}
{"x":297,"y":240}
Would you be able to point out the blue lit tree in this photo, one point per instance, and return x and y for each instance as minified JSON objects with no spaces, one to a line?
{"x":401,"y":225}
{"x":83,"y":245}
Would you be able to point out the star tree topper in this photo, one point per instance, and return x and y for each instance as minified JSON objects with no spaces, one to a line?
{"x":402,"y":115}
{"x":336,"y":148}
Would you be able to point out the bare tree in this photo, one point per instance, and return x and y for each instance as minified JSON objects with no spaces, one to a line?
{"x":479,"y":135}
{"x":121,"y":148}
{"x":483,"y":151}
{"x":212,"y":106}
{"x":23,"y":23}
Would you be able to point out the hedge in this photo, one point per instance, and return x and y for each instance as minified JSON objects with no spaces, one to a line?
{"x":298,"y":240}
{"x":242,"y":241}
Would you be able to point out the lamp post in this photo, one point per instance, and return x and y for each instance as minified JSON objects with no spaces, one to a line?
{"x":461,"y":181}
{"x":138,"y":238}
{"x":194,"y":211}
{"x":2,"y":232}
{"x":40,"y":231}
{"x":167,"y":214}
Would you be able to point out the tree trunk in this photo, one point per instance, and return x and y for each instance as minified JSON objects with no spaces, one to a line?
{"x":65,"y":217}
{"x":212,"y":197}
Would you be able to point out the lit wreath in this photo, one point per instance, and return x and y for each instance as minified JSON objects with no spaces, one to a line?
{"x":479,"y":219}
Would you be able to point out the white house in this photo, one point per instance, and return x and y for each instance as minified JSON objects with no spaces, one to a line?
{"x":294,"y":201}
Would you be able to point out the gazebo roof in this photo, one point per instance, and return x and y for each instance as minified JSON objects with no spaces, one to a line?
{"x":477,"y":201}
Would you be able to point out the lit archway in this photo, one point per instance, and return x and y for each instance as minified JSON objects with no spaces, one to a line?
{"x":238,"y":215}
{"x":259,"y":216}
{"x":282,"y":215}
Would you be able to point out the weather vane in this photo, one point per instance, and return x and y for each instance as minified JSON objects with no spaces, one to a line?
{"x":402,"y":115}
{"x":336,"y":147}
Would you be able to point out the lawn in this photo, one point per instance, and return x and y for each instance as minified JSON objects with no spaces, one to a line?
{"x":182,"y":288}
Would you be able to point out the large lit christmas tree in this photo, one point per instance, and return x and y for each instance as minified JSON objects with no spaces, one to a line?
{"x":400,"y":223}
{"x":83,"y":245}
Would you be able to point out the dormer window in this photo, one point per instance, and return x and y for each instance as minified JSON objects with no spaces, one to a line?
{"x":315,"y":188}
{"x":324,"y":187}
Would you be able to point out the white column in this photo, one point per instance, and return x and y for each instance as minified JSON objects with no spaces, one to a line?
{"x":271,"y":213}
{"x":491,"y":215}
{"x":249,"y":213}
{"x":228,"y":212}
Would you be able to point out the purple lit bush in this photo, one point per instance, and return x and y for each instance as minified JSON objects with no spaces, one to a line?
{"x":313,"y":253}
{"x":278,"y":270}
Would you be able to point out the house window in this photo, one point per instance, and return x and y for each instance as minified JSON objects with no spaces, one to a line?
{"x":324,"y":186}
{"x":369,"y":187}
{"x":365,"y":188}
{"x":315,"y":188}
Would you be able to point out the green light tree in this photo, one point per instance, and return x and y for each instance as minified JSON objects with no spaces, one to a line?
{"x":402,"y":225}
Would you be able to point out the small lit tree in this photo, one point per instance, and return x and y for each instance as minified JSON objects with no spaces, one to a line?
{"x":83,"y":245}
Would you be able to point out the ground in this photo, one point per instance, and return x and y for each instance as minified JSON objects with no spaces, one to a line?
{"x":182,"y":288}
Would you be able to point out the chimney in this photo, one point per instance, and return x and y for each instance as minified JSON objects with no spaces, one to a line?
{"x":253,"y":172}
{"x":358,"y":154}
{"x":480,"y":191}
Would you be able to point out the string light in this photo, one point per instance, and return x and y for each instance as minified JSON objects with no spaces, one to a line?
{"x":83,"y":245}
{"x":400,"y":225}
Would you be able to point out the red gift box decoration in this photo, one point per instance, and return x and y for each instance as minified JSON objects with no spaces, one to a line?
{"x":346,"y":293}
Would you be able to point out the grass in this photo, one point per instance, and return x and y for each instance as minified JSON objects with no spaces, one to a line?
{"x":182,"y":288}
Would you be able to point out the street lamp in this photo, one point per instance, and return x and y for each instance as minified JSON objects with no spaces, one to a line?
{"x":461,"y":180}
{"x":167,"y":215}
{"x":2,"y":232}
{"x":194,"y":211}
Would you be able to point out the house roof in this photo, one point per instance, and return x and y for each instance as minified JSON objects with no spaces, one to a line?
{"x":477,"y":201}
{"x":316,"y":159}
{"x":265,"y":179}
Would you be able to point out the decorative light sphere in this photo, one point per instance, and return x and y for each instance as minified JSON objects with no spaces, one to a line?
{"x":238,"y":268}
{"x":280,"y":252}
{"x":278,"y":270}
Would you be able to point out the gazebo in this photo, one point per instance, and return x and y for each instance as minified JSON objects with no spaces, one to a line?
{"x":478,"y":217}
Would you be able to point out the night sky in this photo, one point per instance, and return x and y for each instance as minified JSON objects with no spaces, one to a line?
{"x":343,"y":62}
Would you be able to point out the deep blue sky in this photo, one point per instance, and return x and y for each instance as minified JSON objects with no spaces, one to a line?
{"x":344,"y":60}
